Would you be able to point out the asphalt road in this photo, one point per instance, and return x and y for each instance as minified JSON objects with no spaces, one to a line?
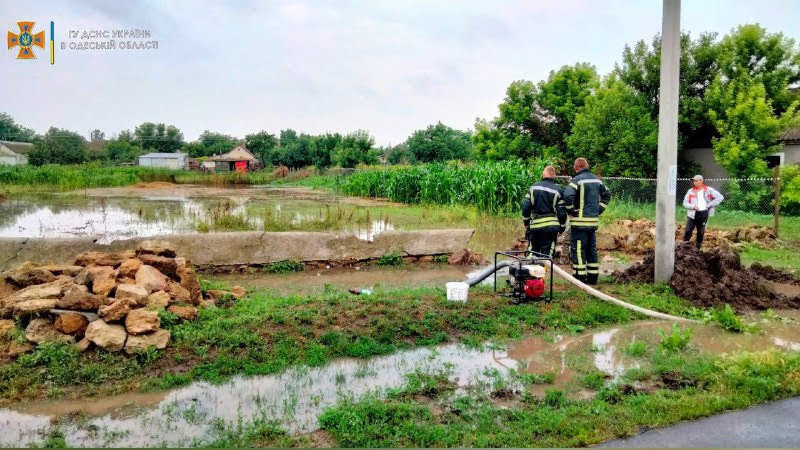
{"x":774,"y":424}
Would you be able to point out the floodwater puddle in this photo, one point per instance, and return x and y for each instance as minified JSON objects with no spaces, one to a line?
{"x":313,"y":281}
{"x":154,"y":209}
{"x":193,"y":415}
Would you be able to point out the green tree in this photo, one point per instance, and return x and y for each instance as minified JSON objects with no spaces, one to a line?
{"x":58,"y":146}
{"x":262,"y":144}
{"x":354,"y":149}
{"x":747,"y":124}
{"x":158,"y":137}
{"x":399,"y":154}
{"x":616,"y":129}
{"x":439,"y":143}
{"x":563,"y":95}
{"x":97,"y":136}
{"x":323,"y":148}
{"x":11,"y":131}
{"x":121,"y":150}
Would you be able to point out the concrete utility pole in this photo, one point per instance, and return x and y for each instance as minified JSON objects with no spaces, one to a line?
{"x":668,"y":140}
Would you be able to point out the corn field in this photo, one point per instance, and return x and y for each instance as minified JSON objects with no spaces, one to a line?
{"x":493,"y":187}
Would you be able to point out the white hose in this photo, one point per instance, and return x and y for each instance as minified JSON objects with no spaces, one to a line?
{"x":610,"y":299}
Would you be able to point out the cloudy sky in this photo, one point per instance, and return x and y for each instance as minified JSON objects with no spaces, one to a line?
{"x":388,"y":67}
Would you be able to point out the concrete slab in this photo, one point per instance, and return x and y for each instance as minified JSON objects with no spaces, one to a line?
{"x":248,"y":247}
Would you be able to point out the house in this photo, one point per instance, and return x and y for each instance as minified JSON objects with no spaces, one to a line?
{"x":239,"y":159}
{"x":168,"y":160}
{"x":14,"y":153}
{"x":789,"y":154}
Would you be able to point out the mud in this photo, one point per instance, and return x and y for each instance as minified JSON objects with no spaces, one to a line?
{"x":191,"y":415}
{"x":712,"y":278}
{"x":772,"y":274}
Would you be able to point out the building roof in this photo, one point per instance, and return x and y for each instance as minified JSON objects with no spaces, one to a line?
{"x":239,"y":153}
{"x":162,"y":155}
{"x":21,"y":148}
{"x":791,"y":135}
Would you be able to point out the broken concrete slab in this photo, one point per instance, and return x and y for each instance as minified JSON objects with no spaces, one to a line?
{"x":249,"y":247}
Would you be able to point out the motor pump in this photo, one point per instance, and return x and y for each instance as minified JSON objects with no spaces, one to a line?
{"x":527,"y":281}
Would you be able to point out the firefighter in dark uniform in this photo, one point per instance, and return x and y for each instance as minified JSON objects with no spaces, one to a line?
{"x":544,"y":213}
{"x":586,"y":197}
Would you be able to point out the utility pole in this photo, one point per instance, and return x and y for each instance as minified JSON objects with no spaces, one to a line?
{"x":668,"y":140}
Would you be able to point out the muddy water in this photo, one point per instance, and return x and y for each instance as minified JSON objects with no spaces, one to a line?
{"x":158,"y":209}
{"x":295,"y":398}
{"x":359,"y":277}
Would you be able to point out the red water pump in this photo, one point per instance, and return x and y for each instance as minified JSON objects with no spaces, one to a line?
{"x":527,"y":281}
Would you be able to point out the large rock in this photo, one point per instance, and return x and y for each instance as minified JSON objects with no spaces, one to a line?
{"x":141,"y":321}
{"x":28,"y":274}
{"x":106,"y":336}
{"x":128,"y":268}
{"x":189,"y":281}
{"x":43,"y":330}
{"x":36,"y":306}
{"x":94,"y":258}
{"x":115,"y":311}
{"x":158,"y":300}
{"x":165,"y":265}
{"x":605,"y":241}
{"x":156,"y":247}
{"x":183,"y":311}
{"x":136,"y":295}
{"x":62,"y":269}
{"x":78,"y":297}
{"x":157,"y":339}
{"x":71,"y":323}
{"x":53,"y":289}
{"x":151,"y":279}
{"x":103,"y":280}
{"x":179,"y":293}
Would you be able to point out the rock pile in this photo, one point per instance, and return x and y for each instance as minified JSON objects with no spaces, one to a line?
{"x":109,"y":300}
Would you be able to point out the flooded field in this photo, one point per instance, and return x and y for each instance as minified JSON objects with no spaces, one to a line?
{"x":195,"y":414}
{"x":161,"y":208}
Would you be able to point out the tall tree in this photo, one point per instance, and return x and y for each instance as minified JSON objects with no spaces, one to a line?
{"x":439,"y":143}
{"x":261,"y":144}
{"x":11,"y":131}
{"x":158,"y":137}
{"x":355,"y":148}
{"x":615,"y":129}
{"x":58,"y":146}
{"x":563,"y":95}
{"x":97,"y":136}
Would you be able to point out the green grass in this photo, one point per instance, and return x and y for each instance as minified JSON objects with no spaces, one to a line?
{"x":675,"y":339}
{"x":390,"y":259}
{"x":286,"y":266}
{"x":686,"y":386}
{"x":59,"y":178}
{"x":266,"y":333}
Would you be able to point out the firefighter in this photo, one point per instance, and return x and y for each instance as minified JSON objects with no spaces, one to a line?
{"x":544,"y":213}
{"x":586,"y":198}
{"x":700,"y":202}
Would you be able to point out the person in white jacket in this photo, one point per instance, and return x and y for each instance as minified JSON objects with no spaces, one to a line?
{"x":700,"y":202}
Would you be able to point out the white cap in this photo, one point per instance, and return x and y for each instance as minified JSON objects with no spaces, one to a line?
{"x":698,"y":177}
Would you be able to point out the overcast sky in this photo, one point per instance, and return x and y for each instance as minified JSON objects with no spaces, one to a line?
{"x":316,"y":66}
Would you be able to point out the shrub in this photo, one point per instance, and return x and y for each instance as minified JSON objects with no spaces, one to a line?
{"x":790,"y":190}
{"x":390,"y":259}
{"x":728,"y":319}
{"x":286,"y":266}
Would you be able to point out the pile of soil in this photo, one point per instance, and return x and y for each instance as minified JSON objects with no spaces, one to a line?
{"x":466,"y":257}
{"x":713,"y":278}
{"x":776,"y":275}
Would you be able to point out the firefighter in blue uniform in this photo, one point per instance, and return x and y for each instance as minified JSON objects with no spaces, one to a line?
{"x":544,"y":213}
{"x":586,"y":198}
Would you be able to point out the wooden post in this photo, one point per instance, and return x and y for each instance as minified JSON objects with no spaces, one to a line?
{"x":777,"y":210}
{"x":599,"y":171}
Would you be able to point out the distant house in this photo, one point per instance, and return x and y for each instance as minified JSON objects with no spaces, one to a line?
{"x":168,"y":160}
{"x":789,"y":154}
{"x":14,"y":153}
{"x":239,"y":159}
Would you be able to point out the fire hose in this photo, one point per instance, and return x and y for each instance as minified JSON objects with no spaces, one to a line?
{"x":483,"y":274}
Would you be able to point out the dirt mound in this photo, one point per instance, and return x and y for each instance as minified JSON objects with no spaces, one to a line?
{"x":466,"y":257}
{"x":713,"y":278}
{"x":153,"y":185}
{"x":772,"y":274}
{"x":638,"y":236}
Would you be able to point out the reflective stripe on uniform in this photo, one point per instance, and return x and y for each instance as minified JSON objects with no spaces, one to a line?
{"x":593,"y":268}
{"x":589,"y":180}
{"x":584,"y":221}
{"x":603,"y":205}
{"x":582,"y":196}
{"x":580,"y":257}
{"x":573,"y":186}
{"x":544,"y":222}
{"x":543,"y":188}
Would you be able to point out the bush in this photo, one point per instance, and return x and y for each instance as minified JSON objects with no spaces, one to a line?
{"x":286,"y":266}
{"x":728,"y":319}
{"x":790,"y":190}
{"x":390,"y":259}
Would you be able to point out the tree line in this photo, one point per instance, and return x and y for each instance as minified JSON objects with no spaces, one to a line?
{"x":738,"y":93}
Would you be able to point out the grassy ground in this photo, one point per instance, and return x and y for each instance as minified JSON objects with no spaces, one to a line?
{"x":267,"y":333}
{"x":678,"y":386}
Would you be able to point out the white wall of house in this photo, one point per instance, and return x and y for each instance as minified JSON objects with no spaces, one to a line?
{"x":790,"y":154}
{"x":11,"y":158}
{"x":169,"y":161}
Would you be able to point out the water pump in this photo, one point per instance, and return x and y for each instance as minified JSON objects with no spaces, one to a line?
{"x":529,"y":278}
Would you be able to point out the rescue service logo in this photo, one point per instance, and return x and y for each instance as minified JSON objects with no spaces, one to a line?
{"x":26,"y":40}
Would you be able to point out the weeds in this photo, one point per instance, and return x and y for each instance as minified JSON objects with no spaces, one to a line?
{"x":677,"y":339}
{"x":636,"y":349}
{"x":286,"y":266}
{"x":727,"y":319}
